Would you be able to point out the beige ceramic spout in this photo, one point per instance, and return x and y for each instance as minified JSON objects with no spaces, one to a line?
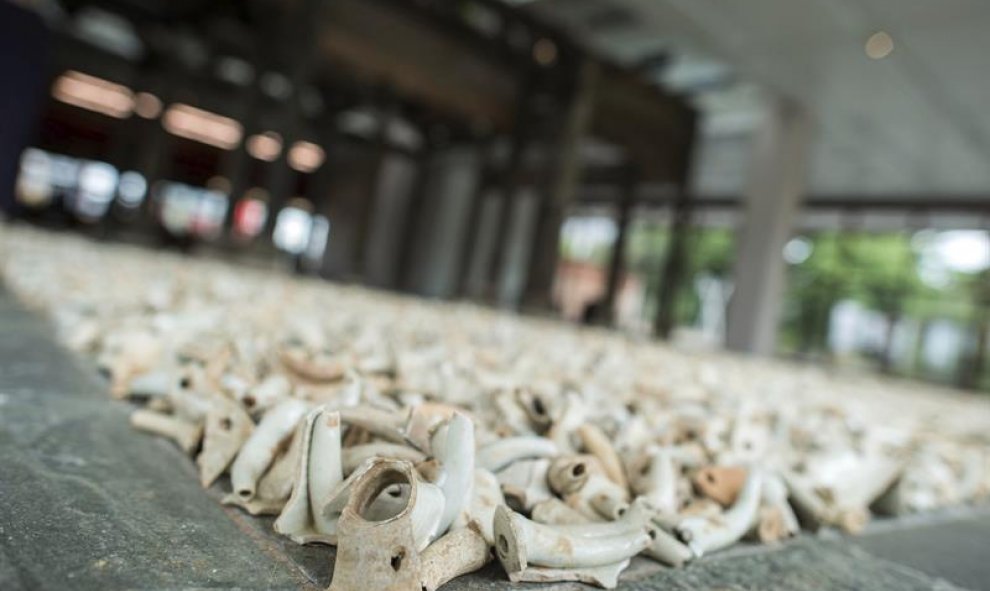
{"x":227,"y":428}
{"x":597,"y":444}
{"x":385,"y":553}
{"x":707,"y":534}
{"x":184,"y":433}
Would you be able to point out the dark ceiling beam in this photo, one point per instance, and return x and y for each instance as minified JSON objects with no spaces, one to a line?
{"x":421,"y":62}
{"x":979,"y":204}
{"x":652,"y":124}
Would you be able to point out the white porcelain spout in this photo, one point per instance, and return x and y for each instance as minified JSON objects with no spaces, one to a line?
{"x":379,"y":423}
{"x":520,"y":542}
{"x":707,"y":534}
{"x":184,"y":433}
{"x":453,"y":446}
{"x":268,"y":393}
{"x":262,"y":446}
{"x":355,"y":456}
{"x":457,"y":553}
{"x":424,"y":418}
{"x":318,"y":473}
{"x":569,"y":474}
{"x":777,"y":519}
{"x":313,"y":365}
{"x":228,"y":427}
{"x":275,"y":485}
{"x":486,"y":496}
{"x":571,"y":414}
{"x":152,"y":384}
{"x":597,"y":444}
{"x":659,"y":484}
{"x":553,"y":511}
{"x":525,"y":483}
{"x":581,"y":481}
{"x":503,"y":452}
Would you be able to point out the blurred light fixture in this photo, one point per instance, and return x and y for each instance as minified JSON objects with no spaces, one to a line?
{"x":108,"y":31}
{"x":276,"y":85}
{"x":293,"y":227}
{"x":319,"y":234}
{"x":202,"y":126}
{"x":95,"y":94}
{"x":545,"y":52}
{"x":147,"y":105}
{"x":131,"y":189}
{"x":210,"y":213}
{"x":306,"y":156}
{"x":234,"y":70}
{"x":34,"y":182}
{"x":310,"y":101}
{"x":96,"y":188}
{"x":360,"y":122}
{"x":251,"y":212}
{"x":265,"y":146}
{"x":879,"y":45}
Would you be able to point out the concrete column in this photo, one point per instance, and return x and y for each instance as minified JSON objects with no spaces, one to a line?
{"x":377,"y":183}
{"x":617,"y":261}
{"x":567,"y":168}
{"x":393,"y":193}
{"x":775,"y":187}
{"x":522,"y":217}
{"x":440,"y":240}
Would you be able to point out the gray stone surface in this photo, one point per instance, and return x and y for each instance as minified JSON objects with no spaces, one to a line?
{"x":88,"y":503}
{"x":955,"y":548}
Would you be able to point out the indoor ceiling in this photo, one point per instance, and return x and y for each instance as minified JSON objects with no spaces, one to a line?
{"x":915,"y":123}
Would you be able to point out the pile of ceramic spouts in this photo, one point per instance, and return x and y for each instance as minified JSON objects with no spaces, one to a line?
{"x":417,"y":436}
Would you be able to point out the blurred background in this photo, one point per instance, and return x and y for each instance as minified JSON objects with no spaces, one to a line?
{"x":807,"y":179}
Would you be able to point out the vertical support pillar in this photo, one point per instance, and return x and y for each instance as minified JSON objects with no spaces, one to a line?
{"x":386,"y":112}
{"x":509,"y":180}
{"x":472,"y":241}
{"x":563,"y":186}
{"x":414,"y":219}
{"x":298,"y":36}
{"x":672,"y":273}
{"x":775,"y":188}
{"x":616,"y":262}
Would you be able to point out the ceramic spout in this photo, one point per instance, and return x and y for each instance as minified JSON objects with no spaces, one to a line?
{"x":318,"y":473}
{"x":227,"y":428}
{"x":520,"y":542}
{"x":262,"y":446}
{"x":184,"y":433}
{"x":501,"y":453}
{"x":707,"y":534}
{"x":385,"y":552}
